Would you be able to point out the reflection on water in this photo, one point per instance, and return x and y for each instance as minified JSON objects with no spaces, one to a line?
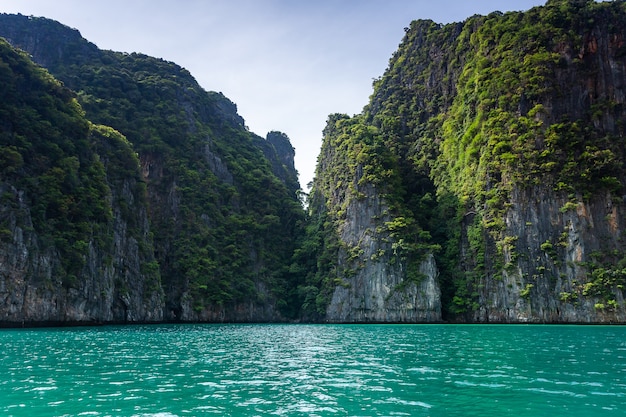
{"x":314,"y":370}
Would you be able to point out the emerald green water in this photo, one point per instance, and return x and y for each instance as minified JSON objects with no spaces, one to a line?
{"x":314,"y":370}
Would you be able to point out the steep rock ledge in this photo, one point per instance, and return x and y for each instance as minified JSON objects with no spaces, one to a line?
{"x":497,"y":146}
{"x":379,"y":289}
{"x":549,"y":275}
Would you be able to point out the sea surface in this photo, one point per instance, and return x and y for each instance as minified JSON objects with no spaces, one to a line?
{"x":314,"y":370}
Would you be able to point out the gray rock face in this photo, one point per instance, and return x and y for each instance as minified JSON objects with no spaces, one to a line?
{"x":113,"y":285}
{"x":379,"y":290}
{"x":377,"y":295}
{"x":280,"y":153}
{"x":566,"y":263}
{"x":550,"y":278}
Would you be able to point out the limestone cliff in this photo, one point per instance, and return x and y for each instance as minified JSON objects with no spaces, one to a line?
{"x":483,"y":182}
{"x":279,"y":152}
{"x":496,"y":146}
{"x":218,"y":227}
{"x":557,"y":255}
{"x":566,"y":257}
{"x":373,"y":274}
{"x":96,"y":268}
{"x":377,"y":287}
{"x":564,"y":263}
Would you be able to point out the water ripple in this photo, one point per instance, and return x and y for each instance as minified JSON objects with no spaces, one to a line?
{"x":290,"y":370}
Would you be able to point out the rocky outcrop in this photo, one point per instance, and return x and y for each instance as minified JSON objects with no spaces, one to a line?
{"x":280,"y":153}
{"x":75,"y":242}
{"x":377,"y":288}
{"x":370,"y":272}
{"x":204,"y":231}
{"x":119,"y":281}
{"x":551,"y":261}
{"x":498,"y":140}
{"x":134,"y":274}
{"x":52,"y":46}
{"x":566,"y":254}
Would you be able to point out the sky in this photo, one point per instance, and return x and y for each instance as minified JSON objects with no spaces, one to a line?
{"x":286,"y":64}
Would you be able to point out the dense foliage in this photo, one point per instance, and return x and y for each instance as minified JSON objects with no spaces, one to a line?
{"x":224,"y":224}
{"x":467,"y":112}
{"x":47,"y":154}
{"x":466,"y":116}
{"x":233,"y":223}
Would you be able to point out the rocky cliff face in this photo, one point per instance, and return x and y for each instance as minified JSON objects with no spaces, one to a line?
{"x":133,"y":271}
{"x":207,"y":230}
{"x":372,"y":275}
{"x":566,"y":258}
{"x":98,"y":270}
{"x":115,"y":284}
{"x":563,"y":266}
{"x":377,"y":287}
{"x":495,"y":146}
{"x":278,"y":150}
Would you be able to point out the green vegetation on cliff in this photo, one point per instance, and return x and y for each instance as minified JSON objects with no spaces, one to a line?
{"x":47,"y":154}
{"x":231,"y":223}
{"x":465,"y":114}
{"x":224,"y":223}
{"x":72,"y":200}
{"x":495,"y":144}
{"x":355,"y":159}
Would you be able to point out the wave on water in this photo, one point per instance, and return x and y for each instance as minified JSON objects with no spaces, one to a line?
{"x":313,"y":370}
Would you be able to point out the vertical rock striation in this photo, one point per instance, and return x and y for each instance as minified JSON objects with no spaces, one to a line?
{"x":496,"y":147}
{"x":75,"y":244}
{"x":566,"y":254}
{"x":379,"y":289}
{"x":374,"y":275}
{"x":207,"y":229}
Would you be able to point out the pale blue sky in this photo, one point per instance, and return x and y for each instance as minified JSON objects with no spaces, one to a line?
{"x":287,"y":64}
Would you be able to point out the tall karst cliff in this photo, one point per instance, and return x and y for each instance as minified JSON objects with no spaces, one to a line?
{"x":75,"y":243}
{"x":198,"y":216}
{"x":485,"y":180}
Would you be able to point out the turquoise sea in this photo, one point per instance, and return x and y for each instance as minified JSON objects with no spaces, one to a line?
{"x":314,"y":370}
